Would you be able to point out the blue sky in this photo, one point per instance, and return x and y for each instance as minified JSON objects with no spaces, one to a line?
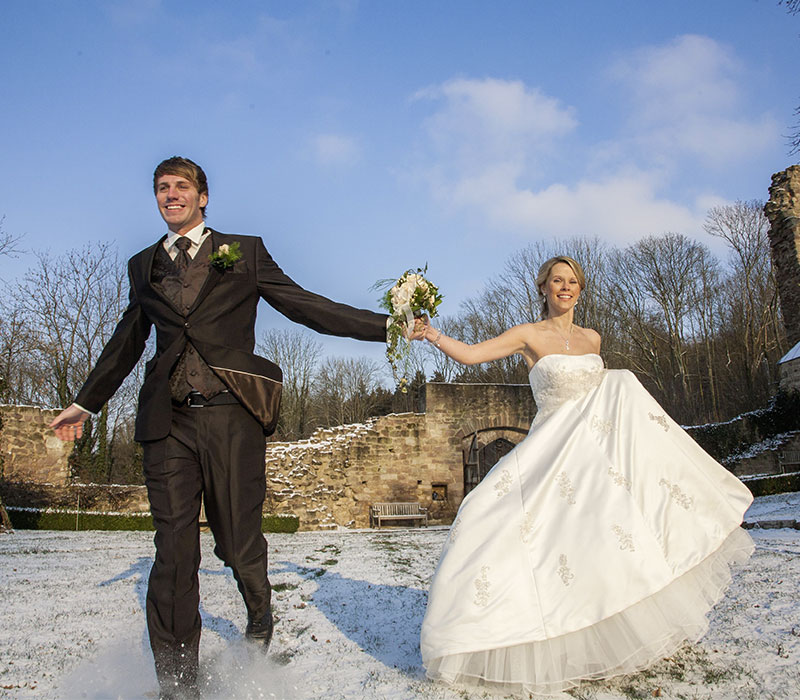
{"x":362,"y":138}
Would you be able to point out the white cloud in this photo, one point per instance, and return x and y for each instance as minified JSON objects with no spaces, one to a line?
{"x":480,"y":121}
{"x":686,"y":100}
{"x":496,"y":145}
{"x":619,"y":208}
{"x":499,"y":108}
{"x":335,"y":149}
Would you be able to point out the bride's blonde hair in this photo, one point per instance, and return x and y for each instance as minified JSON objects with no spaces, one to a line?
{"x":544,"y":273}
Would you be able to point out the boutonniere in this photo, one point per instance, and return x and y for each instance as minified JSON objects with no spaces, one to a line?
{"x":226,"y":256}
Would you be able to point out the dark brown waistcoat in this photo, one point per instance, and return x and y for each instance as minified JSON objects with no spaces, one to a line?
{"x":190,"y":373}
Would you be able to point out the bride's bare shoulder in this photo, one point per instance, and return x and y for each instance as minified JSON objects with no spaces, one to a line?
{"x":529,"y":329}
{"x":591,"y":335}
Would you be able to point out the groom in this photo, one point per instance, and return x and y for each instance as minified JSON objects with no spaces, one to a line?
{"x":204,"y":408}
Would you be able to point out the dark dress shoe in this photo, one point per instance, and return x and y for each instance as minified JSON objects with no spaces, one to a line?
{"x":260,"y":630}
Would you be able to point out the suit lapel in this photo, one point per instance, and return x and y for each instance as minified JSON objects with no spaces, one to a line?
{"x":214,"y":275}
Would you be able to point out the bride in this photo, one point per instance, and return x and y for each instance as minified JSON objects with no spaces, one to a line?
{"x":596,"y":546}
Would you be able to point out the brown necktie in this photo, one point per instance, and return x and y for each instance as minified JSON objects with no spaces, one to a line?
{"x":182,"y":260}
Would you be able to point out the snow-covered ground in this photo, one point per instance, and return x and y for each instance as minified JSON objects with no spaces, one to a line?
{"x":349,"y":607}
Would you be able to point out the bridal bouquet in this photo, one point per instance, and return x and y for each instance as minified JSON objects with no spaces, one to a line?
{"x":410,"y":297}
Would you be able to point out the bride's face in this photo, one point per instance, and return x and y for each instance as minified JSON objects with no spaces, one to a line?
{"x":562,"y":289}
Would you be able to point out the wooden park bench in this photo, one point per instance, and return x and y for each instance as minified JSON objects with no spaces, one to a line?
{"x":397,"y":511}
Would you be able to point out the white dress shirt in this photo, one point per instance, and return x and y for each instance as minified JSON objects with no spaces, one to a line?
{"x":197,"y":236}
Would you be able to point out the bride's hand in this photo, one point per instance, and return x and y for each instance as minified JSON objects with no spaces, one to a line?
{"x":418,"y":331}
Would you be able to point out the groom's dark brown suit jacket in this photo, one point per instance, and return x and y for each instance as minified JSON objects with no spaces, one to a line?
{"x":221,"y":327}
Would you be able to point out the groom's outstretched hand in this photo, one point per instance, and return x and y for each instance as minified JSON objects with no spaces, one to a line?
{"x":68,"y":424}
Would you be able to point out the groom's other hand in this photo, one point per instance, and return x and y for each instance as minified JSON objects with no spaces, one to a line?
{"x":68,"y":425}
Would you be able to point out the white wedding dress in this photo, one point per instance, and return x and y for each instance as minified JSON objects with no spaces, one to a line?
{"x":594,"y":548}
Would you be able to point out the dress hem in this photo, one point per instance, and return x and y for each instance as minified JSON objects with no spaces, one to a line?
{"x":625,"y":642}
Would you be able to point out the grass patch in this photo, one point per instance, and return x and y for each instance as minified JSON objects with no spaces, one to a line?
{"x":329,"y":548}
{"x":278,"y":587}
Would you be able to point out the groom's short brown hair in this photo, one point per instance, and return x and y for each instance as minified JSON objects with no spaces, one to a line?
{"x":183,"y":167}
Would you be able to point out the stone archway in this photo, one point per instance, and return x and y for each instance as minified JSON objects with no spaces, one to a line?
{"x":483,"y":448}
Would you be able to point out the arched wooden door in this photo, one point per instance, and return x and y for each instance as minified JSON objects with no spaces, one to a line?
{"x":480,"y":458}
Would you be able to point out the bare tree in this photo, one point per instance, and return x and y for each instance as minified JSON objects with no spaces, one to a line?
{"x":8,"y":333}
{"x":444,"y":368}
{"x":751,"y":291}
{"x":9,"y":243}
{"x":793,"y":8}
{"x":297,"y":352}
{"x":512,"y":298}
{"x":21,"y":379}
{"x":705,"y":323}
{"x":345,"y":390}
{"x":517,"y":281}
{"x":69,"y":307}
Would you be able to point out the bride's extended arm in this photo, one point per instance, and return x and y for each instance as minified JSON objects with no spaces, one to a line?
{"x":508,"y":343}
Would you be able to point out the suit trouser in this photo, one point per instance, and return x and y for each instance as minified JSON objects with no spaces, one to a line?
{"x":216,"y":451}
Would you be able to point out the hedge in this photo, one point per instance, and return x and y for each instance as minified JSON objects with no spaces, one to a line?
{"x":769,"y":485}
{"x":727,"y":441}
{"x":280,"y":523}
{"x":53,"y":519}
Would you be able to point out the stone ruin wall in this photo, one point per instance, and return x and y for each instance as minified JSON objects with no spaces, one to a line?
{"x":328,"y":481}
{"x":35,"y":471}
{"x":783,"y":212}
{"x":331,"y":479}
{"x":29,"y":450}
{"x":789,"y":375}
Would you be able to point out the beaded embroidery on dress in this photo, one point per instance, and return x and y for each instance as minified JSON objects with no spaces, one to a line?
{"x":594,"y":548}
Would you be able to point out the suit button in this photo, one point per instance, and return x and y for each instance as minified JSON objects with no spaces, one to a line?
{"x":186,"y":325}
{"x":186,"y":285}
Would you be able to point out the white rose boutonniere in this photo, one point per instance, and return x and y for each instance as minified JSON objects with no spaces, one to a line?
{"x":226,"y":256}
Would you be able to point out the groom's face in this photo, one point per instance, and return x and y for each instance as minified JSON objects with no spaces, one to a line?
{"x":179,"y":203}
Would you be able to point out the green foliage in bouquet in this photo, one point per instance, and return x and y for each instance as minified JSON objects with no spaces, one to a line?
{"x":411,"y":296}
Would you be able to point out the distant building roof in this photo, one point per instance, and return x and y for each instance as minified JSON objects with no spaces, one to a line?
{"x":793,"y":354}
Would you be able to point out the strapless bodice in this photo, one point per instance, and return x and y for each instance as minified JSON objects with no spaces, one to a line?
{"x":557,"y":378}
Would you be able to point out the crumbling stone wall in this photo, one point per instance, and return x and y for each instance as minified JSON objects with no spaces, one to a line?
{"x":789,"y":375}
{"x":30,"y":450}
{"x":328,"y":481}
{"x":102,"y":498}
{"x":331,"y":479}
{"x":783,"y":212}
